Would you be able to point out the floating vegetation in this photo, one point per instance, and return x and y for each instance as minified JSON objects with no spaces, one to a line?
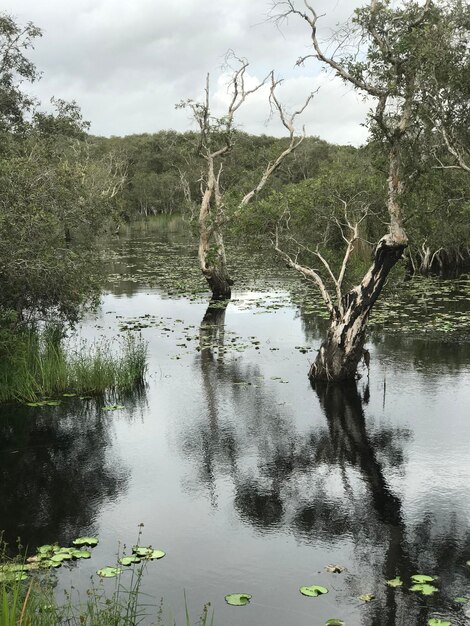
{"x":394,"y":582}
{"x":461,"y":600}
{"x":147,"y":552}
{"x":129,"y":560}
{"x":47,"y":556}
{"x":422,"y":578}
{"x":424,"y":589}
{"x":85,"y":541}
{"x":109,"y":572}
{"x":367,"y":597}
{"x":335,"y":569}
{"x":434,"y":621}
{"x":238,"y":599}
{"x":334,"y":622}
{"x":313,"y":591}
{"x":113,"y":407}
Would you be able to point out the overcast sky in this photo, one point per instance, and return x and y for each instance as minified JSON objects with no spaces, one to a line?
{"x":128,"y":62}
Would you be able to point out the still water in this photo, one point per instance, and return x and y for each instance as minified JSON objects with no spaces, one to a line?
{"x":248,"y":478}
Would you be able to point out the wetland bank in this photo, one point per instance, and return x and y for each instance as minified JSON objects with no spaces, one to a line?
{"x":234,"y":369}
{"x":249,"y":479}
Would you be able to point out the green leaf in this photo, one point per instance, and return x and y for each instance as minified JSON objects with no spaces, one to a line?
{"x":109,"y":572}
{"x":238,"y":599}
{"x":69,"y":395}
{"x":461,"y":600}
{"x":434,"y":621}
{"x":334,"y":622}
{"x":367,"y":597}
{"x":143,"y":551}
{"x":81,"y":554}
{"x":155,"y":554}
{"x":9,"y":577}
{"x":60,"y":556}
{"x":113,"y":407}
{"x":426,"y":590}
{"x":422,"y":578}
{"x":85,"y":541}
{"x":48,"y":563}
{"x":45,"y":549}
{"x":313,"y":591}
{"x":129,"y":560}
{"x":394,"y":582}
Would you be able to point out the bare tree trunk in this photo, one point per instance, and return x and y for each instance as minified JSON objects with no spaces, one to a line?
{"x":212,"y":260}
{"x":341,"y":351}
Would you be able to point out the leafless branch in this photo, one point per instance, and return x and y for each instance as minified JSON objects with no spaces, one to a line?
{"x":288,"y":121}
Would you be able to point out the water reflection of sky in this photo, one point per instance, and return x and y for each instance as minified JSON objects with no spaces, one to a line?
{"x":253,"y":481}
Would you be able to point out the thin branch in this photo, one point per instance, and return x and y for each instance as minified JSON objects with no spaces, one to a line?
{"x":308,"y":273}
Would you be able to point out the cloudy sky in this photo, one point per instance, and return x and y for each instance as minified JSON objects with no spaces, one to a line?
{"x":128,"y":62}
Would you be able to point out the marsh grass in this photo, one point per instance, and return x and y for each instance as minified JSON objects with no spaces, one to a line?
{"x":36,"y":365}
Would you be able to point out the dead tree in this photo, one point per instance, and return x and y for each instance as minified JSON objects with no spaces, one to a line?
{"x":216,"y":140}
{"x":389,"y":76}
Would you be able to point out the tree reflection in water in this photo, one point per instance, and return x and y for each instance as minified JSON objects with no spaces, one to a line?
{"x":56,"y":472}
{"x":324,"y":485}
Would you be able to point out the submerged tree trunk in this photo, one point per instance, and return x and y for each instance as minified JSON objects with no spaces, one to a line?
{"x":212,"y":260}
{"x":341,"y":351}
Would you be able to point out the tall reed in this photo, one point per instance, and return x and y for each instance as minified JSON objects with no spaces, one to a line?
{"x":35,"y":365}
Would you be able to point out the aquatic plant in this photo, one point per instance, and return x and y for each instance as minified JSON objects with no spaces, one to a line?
{"x":36,"y":368}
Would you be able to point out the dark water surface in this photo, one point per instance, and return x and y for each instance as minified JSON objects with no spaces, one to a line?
{"x":249,"y":479}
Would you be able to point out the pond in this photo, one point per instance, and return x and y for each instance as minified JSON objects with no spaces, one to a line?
{"x":248,"y":478}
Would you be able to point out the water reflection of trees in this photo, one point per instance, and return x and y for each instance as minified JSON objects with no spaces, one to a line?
{"x":56,"y":472}
{"x":288,"y":481}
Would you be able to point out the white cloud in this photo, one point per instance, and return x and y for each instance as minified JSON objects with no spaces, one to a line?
{"x":128,"y":63}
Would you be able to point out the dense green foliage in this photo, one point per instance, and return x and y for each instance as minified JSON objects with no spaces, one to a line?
{"x":56,"y":197}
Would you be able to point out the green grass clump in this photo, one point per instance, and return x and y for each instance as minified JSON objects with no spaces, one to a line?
{"x":35,"y":365}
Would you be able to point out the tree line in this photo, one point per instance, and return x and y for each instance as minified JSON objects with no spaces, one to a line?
{"x":65,"y":190}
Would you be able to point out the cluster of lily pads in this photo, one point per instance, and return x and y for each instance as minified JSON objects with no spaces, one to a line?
{"x":421,"y":583}
{"x":53,"y":555}
{"x":139,"y":554}
{"x":46,"y":557}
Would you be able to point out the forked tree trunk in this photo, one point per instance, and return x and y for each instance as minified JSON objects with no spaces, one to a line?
{"x":341,"y":351}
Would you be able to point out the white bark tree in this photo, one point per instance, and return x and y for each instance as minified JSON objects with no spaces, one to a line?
{"x":216,"y":140}
{"x":386,"y":68}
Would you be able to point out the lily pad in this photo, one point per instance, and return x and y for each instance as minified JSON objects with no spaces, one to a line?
{"x":367,"y":597}
{"x":81,"y":554}
{"x":69,"y":395}
{"x":426,"y":590}
{"x":394,"y":582}
{"x":60,"y":556}
{"x":313,"y":591}
{"x":155,"y":554}
{"x":334,"y":622}
{"x":129,"y":560}
{"x":422,"y":578}
{"x":109,"y":572}
{"x":461,"y":600}
{"x":46,"y":549}
{"x":85,"y":541}
{"x":48,"y":563}
{"x":238,"y":599}
{"x":434,"y":621}
{"x":113,"y":407}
